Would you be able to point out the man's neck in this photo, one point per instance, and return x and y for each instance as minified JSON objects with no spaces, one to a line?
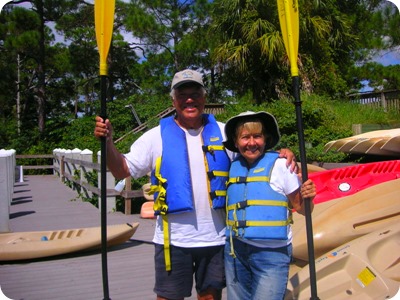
{"x":196,"y":124}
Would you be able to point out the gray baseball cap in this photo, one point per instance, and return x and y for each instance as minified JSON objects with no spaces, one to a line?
{"x":186,"y":76}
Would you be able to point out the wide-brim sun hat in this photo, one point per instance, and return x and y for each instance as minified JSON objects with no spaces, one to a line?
{"x":186,"y":76}
{"x":269,"y":123}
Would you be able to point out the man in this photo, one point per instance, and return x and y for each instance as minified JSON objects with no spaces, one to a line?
{"x":189,"y":169}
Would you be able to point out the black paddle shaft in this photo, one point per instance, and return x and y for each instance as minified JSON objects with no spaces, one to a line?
{"x":304,"y":174}
{"x":103,"y":204}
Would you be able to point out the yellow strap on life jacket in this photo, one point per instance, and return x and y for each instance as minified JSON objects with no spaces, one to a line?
{"x":232,"y":252}
{"x":243,"y":204}
{"x":212,"y":148}
{"x":218,"y":174}
{"x":235,"y":223}
{"x":159,"y":203}
{"x":161,"y":206}
{"x":167,"y":250}
{"x":211,"y":175}
{"x":242,"y":224}
{"x":241,"y":179}
{"x":220,"y":193}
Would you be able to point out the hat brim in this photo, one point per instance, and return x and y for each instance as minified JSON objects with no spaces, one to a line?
{"x":268,"y":121}
{"x":179,"y":84}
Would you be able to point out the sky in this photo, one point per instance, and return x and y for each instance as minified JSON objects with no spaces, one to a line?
{"x":389,"y":58}
{"x":397,"y":3}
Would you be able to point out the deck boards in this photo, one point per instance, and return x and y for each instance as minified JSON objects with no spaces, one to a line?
{"x":44,"y":203}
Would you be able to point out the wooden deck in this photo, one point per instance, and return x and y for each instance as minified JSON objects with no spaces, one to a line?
{"x":44,"y":203}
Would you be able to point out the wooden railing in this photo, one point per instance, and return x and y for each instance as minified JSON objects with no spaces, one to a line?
{"x":34,"y":156}
{"x":68,"y":169}
{"x":388,"y":100}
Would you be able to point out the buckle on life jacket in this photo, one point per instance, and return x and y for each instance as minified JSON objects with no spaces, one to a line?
{"x":241,"y":179}
{"x":240,"y":224}
{"x":217,"y":193}
{"x":207,"y":149}
{"x":215,"y":173}
{"x":242,"y":204}
{"x":212,"y":148}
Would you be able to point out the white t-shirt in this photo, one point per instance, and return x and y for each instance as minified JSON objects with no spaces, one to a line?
{"x":205,"y":226}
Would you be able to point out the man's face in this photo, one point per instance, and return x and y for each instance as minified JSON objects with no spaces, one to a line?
{"x":189,"y":102}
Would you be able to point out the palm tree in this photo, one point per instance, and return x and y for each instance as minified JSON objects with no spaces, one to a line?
{"x":252,"y":51}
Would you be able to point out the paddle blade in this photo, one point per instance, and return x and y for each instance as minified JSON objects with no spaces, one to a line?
{"x":104,"y":21}
{"x":288,"y":11}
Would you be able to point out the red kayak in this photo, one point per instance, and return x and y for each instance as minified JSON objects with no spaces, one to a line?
{"x":341,"y":182}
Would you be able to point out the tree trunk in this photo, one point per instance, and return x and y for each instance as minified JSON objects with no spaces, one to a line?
{"x":40,"y":91}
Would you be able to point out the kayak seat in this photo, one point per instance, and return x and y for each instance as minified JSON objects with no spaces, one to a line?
{"x":146,"y":211}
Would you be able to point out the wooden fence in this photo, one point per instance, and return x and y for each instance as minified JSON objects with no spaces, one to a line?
{"x":75,"y":170}
{"x":388,"y":100}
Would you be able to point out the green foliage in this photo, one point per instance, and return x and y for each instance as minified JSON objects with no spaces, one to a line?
{"x":92,"y":179}
{"x":252,"y":53}
{"x":60,"y":79}
{"x":80,"y":135}
{"x":324,"y":120}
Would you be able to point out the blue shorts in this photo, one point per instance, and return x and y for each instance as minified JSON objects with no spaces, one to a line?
{"x":256,"y":273}
{"x":206,"y":263}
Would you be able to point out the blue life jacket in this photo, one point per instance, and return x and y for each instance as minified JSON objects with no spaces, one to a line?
{"x":171,"y":179}
{"x":254,"y":209}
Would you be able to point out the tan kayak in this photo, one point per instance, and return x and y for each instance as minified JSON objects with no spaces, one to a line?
{"x":311,"y":168}
{"x":365,"y":268}
{"x":37,"y":244}
{"x":379,"y":142}
{"x":341,"y":220}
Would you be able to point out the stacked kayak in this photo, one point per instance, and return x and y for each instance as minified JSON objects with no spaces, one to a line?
{"x":356,"y":232}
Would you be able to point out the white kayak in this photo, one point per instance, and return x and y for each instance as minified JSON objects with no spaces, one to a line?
{"x":378,"y":142}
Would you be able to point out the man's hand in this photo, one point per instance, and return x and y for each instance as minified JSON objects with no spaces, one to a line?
{"x":103,"y":129}
{"x":290,"y":159}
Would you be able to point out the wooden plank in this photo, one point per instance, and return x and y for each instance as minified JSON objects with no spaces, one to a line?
{"x":37,"y":167}
{"x":21,"y":156}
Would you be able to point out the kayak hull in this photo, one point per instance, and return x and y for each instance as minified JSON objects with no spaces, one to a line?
{"x":38,"y":244}
{"x":365,"y":268}
{"x":341,"y":220}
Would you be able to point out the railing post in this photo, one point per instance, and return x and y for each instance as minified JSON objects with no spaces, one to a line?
{"x":111,"y":201}
{"x":62,"y":168}
{"x":86,"y":155}
{"x":67,"y":165}
{"x":383,"y":102}
{"x":60,"y":162}
{"x":7,"y":178}
{"x":75,"y":154}
{"x":56,"y":163}
{"x":128,"y":201}
{"x":357,"y":129}
{"x":13,"y":170}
